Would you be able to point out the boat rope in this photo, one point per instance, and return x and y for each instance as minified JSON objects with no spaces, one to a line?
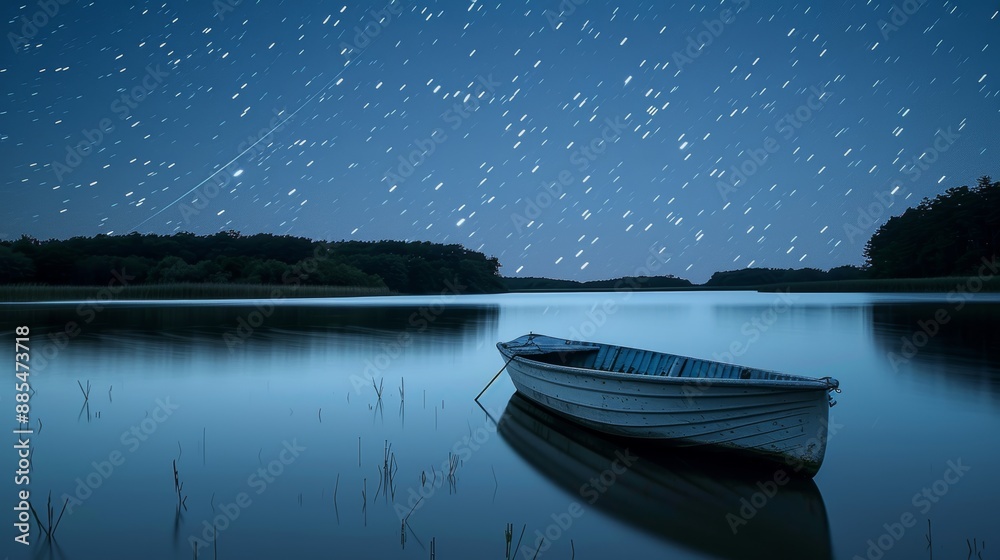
{"x":494,"y":378}
{"x":833,"y":386}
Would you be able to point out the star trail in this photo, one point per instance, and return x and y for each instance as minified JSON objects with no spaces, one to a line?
{"x":567,"y":138}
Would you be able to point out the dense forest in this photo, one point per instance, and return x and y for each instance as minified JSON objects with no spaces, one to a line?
{"x":229,"y":257}
{"x":766,"y":276}
{"x":624,"y":283}
{"x":946,"y":236}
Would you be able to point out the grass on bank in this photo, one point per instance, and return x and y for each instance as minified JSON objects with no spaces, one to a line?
{"x":35,"y":292}
{"x":44,"y":293}
{"x":967,"y":284}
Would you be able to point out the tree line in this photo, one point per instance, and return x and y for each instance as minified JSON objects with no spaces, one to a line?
{"x":948,"y":235}
{"x":230,"y":257}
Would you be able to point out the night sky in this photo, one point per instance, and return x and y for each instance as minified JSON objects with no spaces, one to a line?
{"x":567,"y":139}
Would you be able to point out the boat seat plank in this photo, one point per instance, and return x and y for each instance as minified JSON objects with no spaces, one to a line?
{"x":633,"y":361}
{"x":619,"y":358}
{"x":675,"y":367}
{"x":667,"y":367}
{"x":713,"y":370}
{"x":684,"y":368}
{"x":609,"y":359}
{"x":647,"y":359}
{"x":695,"y":368}
{"x":656,"y":366}
{"x":702,"y":370}
{"x":598,"y":357}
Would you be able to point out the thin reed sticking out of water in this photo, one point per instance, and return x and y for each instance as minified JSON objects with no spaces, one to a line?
{"x":50,"y":528}
{"x":179,"y":487}
{"x":518,"y":547}
{"x":537,"y":550}
{"x":86,"y":394}
{"x":974,"y":549}
{"x":335,"y":508}
{"x":335,"y":487}
{"x":930,"y":543}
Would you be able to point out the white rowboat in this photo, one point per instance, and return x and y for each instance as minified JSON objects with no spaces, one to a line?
{"x":687,"y":401}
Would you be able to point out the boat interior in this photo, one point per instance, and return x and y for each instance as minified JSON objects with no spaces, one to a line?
{"x":645,"y":362}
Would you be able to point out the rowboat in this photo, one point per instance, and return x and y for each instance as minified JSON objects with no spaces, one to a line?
{"x":681,"y":400}
{"x":684,"y":496}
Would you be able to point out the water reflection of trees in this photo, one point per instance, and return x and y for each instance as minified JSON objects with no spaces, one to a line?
{"x":261,"y":322}
{"x":959,"y":344}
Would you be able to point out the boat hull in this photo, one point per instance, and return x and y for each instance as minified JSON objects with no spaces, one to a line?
{"x":782,"y":421}
{"x":685,"y":496}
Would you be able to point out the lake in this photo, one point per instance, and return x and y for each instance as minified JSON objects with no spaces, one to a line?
{"x":283,"y":447}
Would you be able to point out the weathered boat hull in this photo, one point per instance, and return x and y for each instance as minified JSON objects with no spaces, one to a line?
{"x":778,"y":416}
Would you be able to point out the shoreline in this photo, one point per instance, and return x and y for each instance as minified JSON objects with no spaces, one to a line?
{"x":188,"y":292}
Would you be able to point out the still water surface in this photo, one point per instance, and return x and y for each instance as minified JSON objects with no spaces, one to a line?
{"x":280,"y":439}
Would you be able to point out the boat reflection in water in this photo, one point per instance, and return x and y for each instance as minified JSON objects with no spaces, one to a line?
{"x":694,"y":499}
